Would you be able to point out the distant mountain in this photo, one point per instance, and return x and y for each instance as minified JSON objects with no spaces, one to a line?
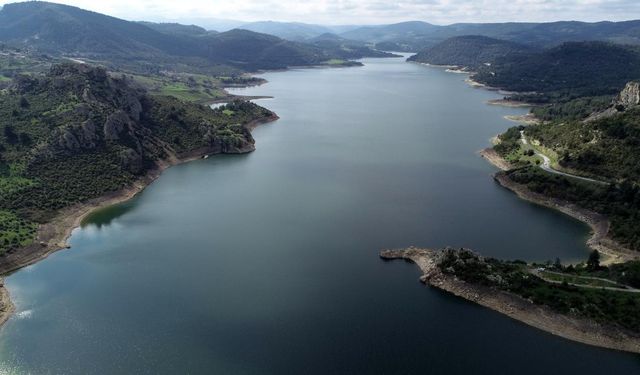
{"x":553,"y":33}
{"x":211,"y":24}
{"x":415,"y":36}
{"x":60,"y":29}
{"x":252,"y":51}
{"x":177,"y":29}
{"x":410,"y":35}
{"x":294,"y":31}
{"x":574,"y":68}
{"x":346,"y":49}
{"x":470,"y":51}
{"x":388,"y":32}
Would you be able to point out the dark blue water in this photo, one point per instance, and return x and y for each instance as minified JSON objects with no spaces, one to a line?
{"x":268,"y":263}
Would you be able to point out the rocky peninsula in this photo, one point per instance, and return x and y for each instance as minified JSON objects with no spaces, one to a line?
{"x":440,"y":271}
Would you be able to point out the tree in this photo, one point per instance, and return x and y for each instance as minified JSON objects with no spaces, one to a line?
{"x":25,"y":139}
{"x":10,"y":135}
{"x":593,"y":263}
{"x":558,"y":264}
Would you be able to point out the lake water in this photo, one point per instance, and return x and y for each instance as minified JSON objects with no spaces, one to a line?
{"x":268,"y":263}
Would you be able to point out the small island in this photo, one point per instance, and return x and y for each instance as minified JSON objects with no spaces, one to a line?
{"x":588,"y":303}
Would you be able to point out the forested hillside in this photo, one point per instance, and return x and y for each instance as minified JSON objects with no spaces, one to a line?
{"x":571,"y":70}
{"x":142,"y":47}
{"x":416,"y":36}
{"x":77,"y":133}
{"x":596,"y":137}
{"x":470,"y":51}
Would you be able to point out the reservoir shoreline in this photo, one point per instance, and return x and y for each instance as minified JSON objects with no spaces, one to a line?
{"x":573,"y":328}
{"x":53,"y":236}
{"x":600,"y":240}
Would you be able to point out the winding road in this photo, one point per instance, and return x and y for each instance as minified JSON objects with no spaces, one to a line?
{"x":621,"y":288}
{"x":546,"y":164}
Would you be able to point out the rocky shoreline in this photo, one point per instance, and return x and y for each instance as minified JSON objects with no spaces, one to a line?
{"x":613,"y":251}
{"x":492,"y":157}
{"x":53,"y":236}
{"x":573,"y":328}
{"x":510,"y":103}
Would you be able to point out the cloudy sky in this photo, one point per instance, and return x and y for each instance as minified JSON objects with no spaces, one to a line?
{"x":366,"y":11}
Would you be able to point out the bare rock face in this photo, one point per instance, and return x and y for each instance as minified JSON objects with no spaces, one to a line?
{"x":131,"y":160}
{"x":87,"y":95}
{"x":87,"y":134}
{"x":72,"y":138}
{"x":68,"y":140}
{"x":115,"y":124}
{"x":132,"y":106}
{"x":630,"y":96}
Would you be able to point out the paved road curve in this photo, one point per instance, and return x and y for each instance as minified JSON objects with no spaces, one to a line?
{"x":546,"y":165}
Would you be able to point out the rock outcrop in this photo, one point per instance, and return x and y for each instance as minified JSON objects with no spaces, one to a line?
{"x":103,"y":113}
{"x":628,"y":98}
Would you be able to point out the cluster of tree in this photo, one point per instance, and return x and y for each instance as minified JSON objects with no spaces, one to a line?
{"x":627,"y":273}
{"x":609,"y":307}
{"x":509,"y":141}
{"x":576,"y":109}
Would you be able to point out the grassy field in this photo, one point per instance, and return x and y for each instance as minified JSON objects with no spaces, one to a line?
{"x":187,"y":87}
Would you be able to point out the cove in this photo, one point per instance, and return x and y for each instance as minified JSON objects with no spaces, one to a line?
{"x":267,"y":263}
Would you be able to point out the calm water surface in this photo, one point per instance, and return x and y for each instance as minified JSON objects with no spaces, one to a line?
{"x":268,"y":263}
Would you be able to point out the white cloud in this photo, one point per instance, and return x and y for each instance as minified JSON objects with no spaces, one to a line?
{"x":367,"y":11}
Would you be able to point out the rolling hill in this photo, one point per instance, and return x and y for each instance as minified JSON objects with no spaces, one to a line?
{"x":471,"y":51}
{"x":574,"y":68}
{"x":345,"y":48}
{"x":416,"y":36}
{"x":294,"y":31}
{"x":64,"y":30}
